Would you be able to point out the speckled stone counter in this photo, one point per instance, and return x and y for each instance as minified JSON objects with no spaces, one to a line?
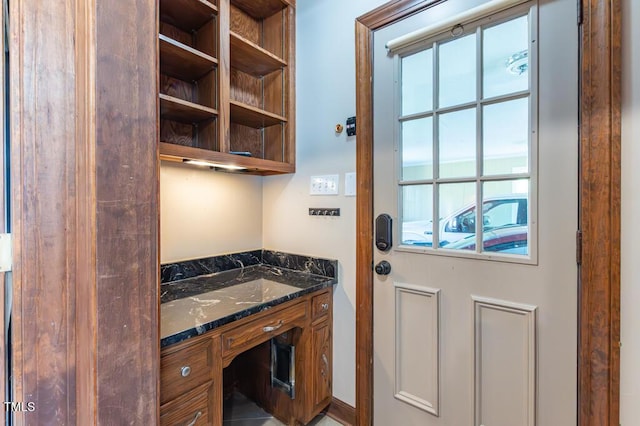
{"x":200,"y":295}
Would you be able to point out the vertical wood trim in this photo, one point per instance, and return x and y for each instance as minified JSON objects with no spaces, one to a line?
{"x":290,"y":86}
{"x":600,"y":130}
{"x":224,"y":77}
{"x":86,"y":322}
{"x":43,"y":203}
{"x":364,"y":227}
{"x":600,"y":138}
{"x":15,"y":55}
{"x":126,"y":283}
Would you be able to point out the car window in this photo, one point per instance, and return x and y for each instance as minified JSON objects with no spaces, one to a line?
{"x":464,"y":222}
{"x":501,"y":213}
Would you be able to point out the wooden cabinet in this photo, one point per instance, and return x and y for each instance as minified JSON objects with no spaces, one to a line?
{"x":226,"y":83}
{"x":191,"y":383}
{"x":193,"y":408}
{"x":253,"y":333}
{"x":321,"y":354}
{"x":321,"y":368}
{"x":191,"y":372}
{"x":186,"y":369}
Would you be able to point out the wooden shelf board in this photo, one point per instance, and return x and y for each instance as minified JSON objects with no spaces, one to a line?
{"x":179,"y":153}
{"x":183,"y":62}
{"x":184,"y":111}
{"x":188,"y":15}
{"x":252,"y":59}
{"x":257,"y":118}
{"x":260,"y":9}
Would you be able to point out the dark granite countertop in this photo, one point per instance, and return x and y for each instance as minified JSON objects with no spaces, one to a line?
{"x":236,"y":286}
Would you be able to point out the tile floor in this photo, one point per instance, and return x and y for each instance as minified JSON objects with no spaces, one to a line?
{"x":241,"y":411}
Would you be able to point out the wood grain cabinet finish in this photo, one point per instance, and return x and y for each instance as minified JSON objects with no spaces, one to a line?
{"x":321,"y":354}
{"x":249,"y":335}
{"x":226,"y":87}
{"x":320,"y":306}
{"x":193,"y":408}
{"x":197,"y":396}
{"x":185,"y":369}
{"x":322,"y":365}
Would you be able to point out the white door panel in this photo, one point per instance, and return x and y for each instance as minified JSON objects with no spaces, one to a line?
{"x":468,"y":341}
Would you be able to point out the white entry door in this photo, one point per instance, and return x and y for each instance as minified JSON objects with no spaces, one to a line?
{"x":475,"y":164}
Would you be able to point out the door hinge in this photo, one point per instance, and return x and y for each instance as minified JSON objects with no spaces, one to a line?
{"x":6,"y":252}
{"x":580,"y":7}
{"x":579,"y":247}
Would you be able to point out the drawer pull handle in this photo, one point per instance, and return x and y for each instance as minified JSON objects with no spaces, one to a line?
{"x":325,"y":306}
{"x":185,"y":371}
{"x":195,"y":419}
{"x":270,"y":328}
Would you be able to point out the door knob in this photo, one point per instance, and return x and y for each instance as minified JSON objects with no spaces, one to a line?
{"x":383,"y":268}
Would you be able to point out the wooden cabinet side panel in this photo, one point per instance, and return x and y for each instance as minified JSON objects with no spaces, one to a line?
{"x":43,"y":149}
{"x":126,"y":178}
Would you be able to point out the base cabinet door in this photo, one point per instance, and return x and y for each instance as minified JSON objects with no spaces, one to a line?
{"x":322,"y":366}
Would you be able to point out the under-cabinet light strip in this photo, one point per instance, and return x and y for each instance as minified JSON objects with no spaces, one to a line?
{"x":215,"y":165}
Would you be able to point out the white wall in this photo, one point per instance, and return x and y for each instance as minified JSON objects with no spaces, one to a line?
{"x":325,"y":85}
{"x":205,"y":213}
{"x":630,"y":352}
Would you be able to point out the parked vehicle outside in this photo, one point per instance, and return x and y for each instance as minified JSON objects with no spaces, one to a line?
{"x":497,"y":212}
{"x":511,"y":239}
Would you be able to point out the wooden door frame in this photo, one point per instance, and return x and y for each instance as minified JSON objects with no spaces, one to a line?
{"x":599,"y":206}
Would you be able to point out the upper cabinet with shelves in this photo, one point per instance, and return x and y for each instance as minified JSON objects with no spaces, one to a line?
{"x":226,"y":86}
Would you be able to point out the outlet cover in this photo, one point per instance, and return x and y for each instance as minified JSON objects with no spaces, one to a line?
{"x":350,"y":184}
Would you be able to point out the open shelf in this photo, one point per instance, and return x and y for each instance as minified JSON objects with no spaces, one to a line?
{"x":179,"y":153}
{"x":250,"y":116}
{"x":181,"y":61}
{"x":207,"y":110}
{"x":260,"y":9}
{"x":187,"y":15}
{"x":252,"y":59}
{"x":184,"y":111}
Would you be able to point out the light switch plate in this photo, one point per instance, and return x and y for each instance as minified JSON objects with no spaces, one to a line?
{"x":324,"y":185}
{"x":350,"y":184}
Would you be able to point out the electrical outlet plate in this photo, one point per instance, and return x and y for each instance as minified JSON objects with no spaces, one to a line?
{"x":350,"y":184}
{"x":324,"y":185}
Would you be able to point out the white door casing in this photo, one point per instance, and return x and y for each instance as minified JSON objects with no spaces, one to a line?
{"x":468,"y":341}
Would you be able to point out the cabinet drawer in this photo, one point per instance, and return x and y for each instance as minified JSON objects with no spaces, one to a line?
{"x":320,"y":305}
{"x":193,"y":408}
{"x":185,"y":369}
{"x":255,"y":332}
